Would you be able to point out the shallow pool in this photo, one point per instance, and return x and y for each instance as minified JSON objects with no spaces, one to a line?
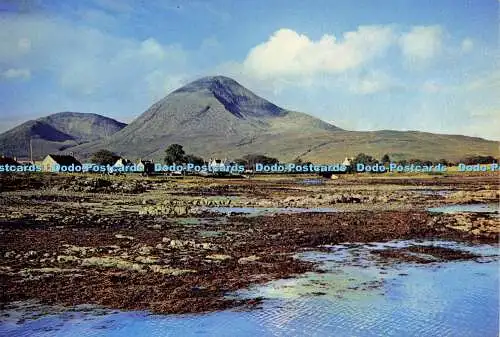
{"x":354,"y":296}
{"x":467,"y":208}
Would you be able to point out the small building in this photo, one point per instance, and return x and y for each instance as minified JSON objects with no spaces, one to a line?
{"x":122,"y":163}
{"x":147,"y":167}
{"x":348,"y":161}
{"x":50,"y":162}
{"x":215,"y":163}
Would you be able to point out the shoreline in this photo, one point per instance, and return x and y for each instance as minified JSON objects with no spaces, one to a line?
{"x":147,"y":251}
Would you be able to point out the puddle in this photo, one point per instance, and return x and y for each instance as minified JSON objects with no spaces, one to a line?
{"x":253,"y":211}
{"x":440,"y":193}
{"x":353,"y":296}
{"x":466,"y":208}
{"x":312,"y":182}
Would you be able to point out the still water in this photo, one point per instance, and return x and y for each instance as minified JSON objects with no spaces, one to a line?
{"x":467,"y":208}
{"x":354,"y":296}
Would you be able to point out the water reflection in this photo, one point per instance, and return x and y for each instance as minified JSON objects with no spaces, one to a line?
{"x":466,"y":208}
{"x":354,"y":296}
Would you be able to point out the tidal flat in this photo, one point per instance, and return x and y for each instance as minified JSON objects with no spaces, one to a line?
{"x":182,"y":245}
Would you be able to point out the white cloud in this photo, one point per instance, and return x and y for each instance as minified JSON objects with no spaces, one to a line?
{"x":467,"y":45}
{"x":288,"y":53}
{"x":372,"y":82}
{"x":16,"y":73}
{"x":422,"y":43}
{"x":86,"y":61}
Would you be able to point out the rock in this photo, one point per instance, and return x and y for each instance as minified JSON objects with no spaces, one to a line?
{"x":180,"y":210}
{"x":121,"y":236}
{"x":145,"y":250}
{"x":219,"y":257}
{"x":207,"y":246}
{"x":176,"y":244}
{"x":111,"y":262}
{"x":165,"y":240}
{"x":181,"y":244}
{"x":248,"y":259}
{"x":67,"y":258}
{"x":10,"y":254}
{"x":147,"y":259}
{"x":476,"y":231}
{"x":170,"y":271}
{"x":31,"y":253}
{"x":83,"y":251}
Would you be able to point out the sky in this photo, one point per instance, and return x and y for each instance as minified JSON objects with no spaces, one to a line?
{"x":360,"y":64}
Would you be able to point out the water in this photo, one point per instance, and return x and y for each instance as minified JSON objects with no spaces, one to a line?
{"x":466,"y":208}
{"x":254,"y":211}
{"x":432,"y":192}
{"x":362,"y":298}
{"x":312,"y":181}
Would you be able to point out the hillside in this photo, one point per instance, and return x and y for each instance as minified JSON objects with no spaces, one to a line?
{"x":211,"y":116}
{"x":216,"y":116}
{"x":56,"y":132}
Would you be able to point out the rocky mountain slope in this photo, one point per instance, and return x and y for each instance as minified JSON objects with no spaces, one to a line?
{"x":56,"y":132}
{"x":218,"y":117}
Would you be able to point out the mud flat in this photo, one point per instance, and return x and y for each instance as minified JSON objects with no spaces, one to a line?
{"x":142,"y":243}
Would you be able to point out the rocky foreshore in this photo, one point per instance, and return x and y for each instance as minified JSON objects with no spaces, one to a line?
{"x":150,"y":248}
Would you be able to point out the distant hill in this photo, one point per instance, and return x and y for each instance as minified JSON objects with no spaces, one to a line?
{"x":216,"y":116}
{"x":56,"y":132}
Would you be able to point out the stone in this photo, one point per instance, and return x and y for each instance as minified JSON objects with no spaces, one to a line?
{"x":10,"y":254}
{"x":176,"y":244}
{"x":67,"y":258}
{"x":147,"y":259}
{"x":31,"y":253}
{"x":219,"y":257}
{"x":170,"y":271}
{"x":208,"y":246}
{"x":111,"y":262}
{"x":248,"y":259}
{"x":145,"y":250}
{"x":121,"y":236}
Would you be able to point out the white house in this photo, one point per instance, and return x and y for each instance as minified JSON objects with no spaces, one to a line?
{"x":347,"y":161}
{"x":218,"y":164}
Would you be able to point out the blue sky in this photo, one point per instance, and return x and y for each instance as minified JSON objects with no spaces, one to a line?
{"x":363,"y":65}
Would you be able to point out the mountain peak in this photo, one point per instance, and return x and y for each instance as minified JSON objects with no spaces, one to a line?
{"x":212,"y":83}
{"x":237,"y":99}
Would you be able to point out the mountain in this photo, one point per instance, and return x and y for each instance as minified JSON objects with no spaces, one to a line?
{"x":218,"y":117}
{"x":210,"y":116}
{"x":57,"y":132}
